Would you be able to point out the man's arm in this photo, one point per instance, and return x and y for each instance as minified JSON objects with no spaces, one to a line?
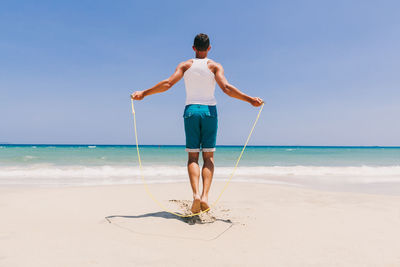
{"x":231,"y":90}
{"x":163,"y":85}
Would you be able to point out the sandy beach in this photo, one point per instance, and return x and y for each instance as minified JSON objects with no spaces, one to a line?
{"x":296,"y":103}
{"x":253,"y":225}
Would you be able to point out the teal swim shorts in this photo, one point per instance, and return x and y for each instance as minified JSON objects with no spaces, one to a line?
{"x":201,"y":124}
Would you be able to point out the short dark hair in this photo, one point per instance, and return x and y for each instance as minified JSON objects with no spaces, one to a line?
{"x":201,"y":42}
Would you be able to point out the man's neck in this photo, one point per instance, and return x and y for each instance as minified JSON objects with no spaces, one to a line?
{"x":201,"y":54}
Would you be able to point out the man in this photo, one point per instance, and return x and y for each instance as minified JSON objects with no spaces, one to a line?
{"x":200,"y":115}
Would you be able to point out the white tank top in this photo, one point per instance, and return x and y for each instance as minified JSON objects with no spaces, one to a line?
{"x":200,"y":83}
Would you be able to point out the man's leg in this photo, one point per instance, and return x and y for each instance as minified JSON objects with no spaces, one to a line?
{"x":207,"y":175}
{"x":194,"y":176}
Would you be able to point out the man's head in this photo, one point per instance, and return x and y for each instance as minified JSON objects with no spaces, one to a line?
{"x":201,"y":43}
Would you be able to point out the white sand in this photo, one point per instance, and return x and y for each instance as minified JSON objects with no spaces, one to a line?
{"x":254,"y":225}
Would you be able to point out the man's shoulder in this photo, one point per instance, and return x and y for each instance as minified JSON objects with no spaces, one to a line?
{"x":186,"y":64}
{"x":213,"y":66}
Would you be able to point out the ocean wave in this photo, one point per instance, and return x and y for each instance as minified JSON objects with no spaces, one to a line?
{"x":29,"y":157}
{"x":42,"y":173}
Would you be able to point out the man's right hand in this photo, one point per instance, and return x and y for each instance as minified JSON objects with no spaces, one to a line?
{"x":138,"y":95}
{"x":256,"y":101}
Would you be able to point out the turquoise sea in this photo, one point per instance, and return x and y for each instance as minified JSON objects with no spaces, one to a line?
{"x":367,"y":169}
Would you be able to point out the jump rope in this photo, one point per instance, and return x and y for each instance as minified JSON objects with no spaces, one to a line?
{"x":160,"y":204}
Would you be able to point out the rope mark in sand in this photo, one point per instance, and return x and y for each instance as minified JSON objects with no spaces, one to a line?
{"x":215,"y":223}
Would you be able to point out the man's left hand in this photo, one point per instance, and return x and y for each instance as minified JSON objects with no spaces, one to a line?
{"x":138,"y":95}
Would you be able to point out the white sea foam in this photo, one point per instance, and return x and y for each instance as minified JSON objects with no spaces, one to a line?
{"x":298,"y":175}
{"x":91,"y":146}
{"x":28,"y":157}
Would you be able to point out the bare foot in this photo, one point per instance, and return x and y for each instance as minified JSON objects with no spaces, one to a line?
{"x":196,"y":206}
{"x":204,"y":204}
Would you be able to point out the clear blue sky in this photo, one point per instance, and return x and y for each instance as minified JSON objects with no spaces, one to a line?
{"x":328,"y":70}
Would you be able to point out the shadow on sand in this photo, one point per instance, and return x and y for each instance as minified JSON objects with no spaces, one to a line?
{"x":166,"y":215}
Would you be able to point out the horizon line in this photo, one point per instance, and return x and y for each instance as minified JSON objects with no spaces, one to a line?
{"x":165,"y":145}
